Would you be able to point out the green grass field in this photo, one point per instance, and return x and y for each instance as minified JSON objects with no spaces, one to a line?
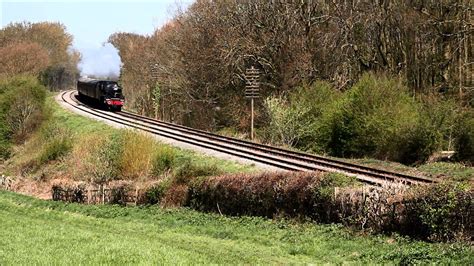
{"x":45,"y":232}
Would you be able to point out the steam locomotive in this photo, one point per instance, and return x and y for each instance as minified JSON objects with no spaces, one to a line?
{"x":106,"y":92}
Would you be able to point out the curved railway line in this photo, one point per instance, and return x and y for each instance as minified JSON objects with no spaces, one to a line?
{"x":273,"y":156}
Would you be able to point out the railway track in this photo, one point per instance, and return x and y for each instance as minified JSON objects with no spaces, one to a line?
{"x":273,"y":156}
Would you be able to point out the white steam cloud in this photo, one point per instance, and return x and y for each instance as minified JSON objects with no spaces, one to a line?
{"x":100,"y":62}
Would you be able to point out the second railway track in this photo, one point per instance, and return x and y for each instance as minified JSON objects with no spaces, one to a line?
{"x":273,"y":156}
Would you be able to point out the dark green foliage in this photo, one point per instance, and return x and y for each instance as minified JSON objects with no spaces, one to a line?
{"x":57,"y":142}
{"x":373,"y":119}
{"x":155,"y":193}
{"x":60,"y":76}
{"x":417,"y":146}
{"x":55,"y":149}
{"x":376,"y":117}
{"x":440,"y":212}
{"x":464,"y":142}
{"x":188,"y":169}
{"x":5,"y":144}
{"x":22,"y":108}
{"x":163,"y":161}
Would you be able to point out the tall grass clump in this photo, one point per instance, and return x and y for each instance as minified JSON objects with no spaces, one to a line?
{"x":123,"y":154}
{"x":136,"y":159}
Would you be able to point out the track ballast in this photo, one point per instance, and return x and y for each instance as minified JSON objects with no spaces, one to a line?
{"x":265,"y":154}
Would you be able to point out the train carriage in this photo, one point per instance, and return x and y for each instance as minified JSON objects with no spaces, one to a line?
{"x":106,"y":92}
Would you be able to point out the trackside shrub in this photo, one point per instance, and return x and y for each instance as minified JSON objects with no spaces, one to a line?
{"x":464,"y":143}
{"x":440,"y":212}
{"x":22,"y":109}
{"x":163,"y":160}
{"x":56,"y":142}
{"x":294,"y":120}
{"x":376,"y":118}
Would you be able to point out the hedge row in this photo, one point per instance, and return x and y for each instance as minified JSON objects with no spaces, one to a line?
{"x":439,"y":212}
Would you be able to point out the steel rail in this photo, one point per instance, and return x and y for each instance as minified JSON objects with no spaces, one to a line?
{"x":269,"y":155}
{"x":296,"y":155}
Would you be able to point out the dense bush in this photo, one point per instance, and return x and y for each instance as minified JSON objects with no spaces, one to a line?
{"x":22,"y":109}
{"x":440,"y":212}
{"x":464,"y":142}
{"x":163,"y":160}
{"x":294,"y":120}
{"x":373,"y":119}
{"x":377,"y":117}
{"x":154,"y":194}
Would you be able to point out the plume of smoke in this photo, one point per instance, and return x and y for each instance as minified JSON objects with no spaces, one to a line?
{"x":102,"y":62}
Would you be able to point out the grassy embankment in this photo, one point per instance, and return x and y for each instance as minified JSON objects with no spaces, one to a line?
{"x":70,"y":146}
{"x":46,"y":232}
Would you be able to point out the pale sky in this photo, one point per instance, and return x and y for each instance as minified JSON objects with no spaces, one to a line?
{"x":92,"y":22}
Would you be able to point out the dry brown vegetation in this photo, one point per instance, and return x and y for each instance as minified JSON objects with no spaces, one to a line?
{"x":191,"y":70}
{"x":23,"y":58}
{"x":40,"y":49}
{"x":317,"y":94}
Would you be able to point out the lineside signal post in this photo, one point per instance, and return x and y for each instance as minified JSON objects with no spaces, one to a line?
{"x":252,"y":91}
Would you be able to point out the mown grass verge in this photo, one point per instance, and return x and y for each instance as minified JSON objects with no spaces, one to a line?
{"x":46,"y":232}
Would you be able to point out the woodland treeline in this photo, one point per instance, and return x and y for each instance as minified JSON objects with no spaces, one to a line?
{"x":312,"y":55}
{"x":193,"y":67}
{"x":40,"y":49}
{"x":34,"y":58}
